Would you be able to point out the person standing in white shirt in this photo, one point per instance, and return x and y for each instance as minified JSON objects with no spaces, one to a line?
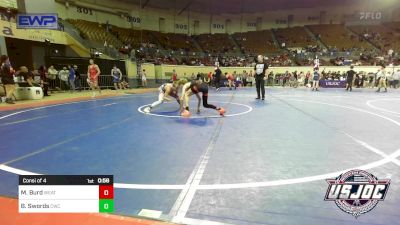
{"x":381,"y":76}
{"x":316,"y":62}
{"x":51,"y":76}
{"x":63,"y":76}
{"x":144,"y":79}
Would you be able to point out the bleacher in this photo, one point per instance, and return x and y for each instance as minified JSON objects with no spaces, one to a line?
{"x":395,"y":27}
{"x":95,"y":32}
{"x":337,"y":36}
{"x":133,"y":37}
{"x":170,"y":48}
{"x":176,"y":42}
{"x":294,"y":37}
{"x":216,"y":43}
{"x":256,"y":42}
{"x":381,"y":36}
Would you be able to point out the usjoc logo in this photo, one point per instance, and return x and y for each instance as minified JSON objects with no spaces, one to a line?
{"x":37,"y":21}
{"x":356,"y":192}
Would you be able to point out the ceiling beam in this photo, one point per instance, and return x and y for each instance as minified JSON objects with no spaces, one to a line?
{"x":186,"y":7}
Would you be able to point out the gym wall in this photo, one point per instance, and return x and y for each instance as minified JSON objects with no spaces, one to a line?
{"x":159,"y":71}
{"x":208,"y":23}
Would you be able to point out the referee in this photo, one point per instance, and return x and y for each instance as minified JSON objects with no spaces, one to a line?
{"x":350,"y":78}
{"x":217,"y":77}
{"x":260,"y":69}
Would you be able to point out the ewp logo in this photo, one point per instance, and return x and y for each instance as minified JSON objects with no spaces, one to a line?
{"x":37,"y":21}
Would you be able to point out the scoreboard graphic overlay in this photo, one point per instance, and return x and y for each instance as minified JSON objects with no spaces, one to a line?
{"x":66,"y":194}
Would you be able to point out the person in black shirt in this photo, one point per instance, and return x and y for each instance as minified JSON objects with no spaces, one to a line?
{"x":217,"y":77}
{"x":7,"y":78}
{"x":43,"y":80}
{"x":349,"y":79}
{"x":260,"y":69}
{"x":199,"y":77}
{"x":77,"y":78}
{"x":195,"y":87}
{"x":295,"y":79}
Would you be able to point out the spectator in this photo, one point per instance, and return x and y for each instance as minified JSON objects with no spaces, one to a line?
{"x":27,"y":75}
{"x":61,"y":26}
{"x":7,"y":78}
{"x":238,"y":81}
{"x":78,"y":79}
{"x":389,"y":79}
{"x":174,"y":76}
{"x":124,"y":84}
{"x":307,"y":78}
{"x":295,"y":79}
{"x":199,"y":77}
{"x":371,"y":80}
{"x":43,"y":80}
{"x":71,"y":78}
{"x":360,"y":80}
{"x":301,"y":77}
{"x":244,"y":78}
{"x":316,"y":78}
{"x":285,"y":78}
{"x":396,"y":78}
{"x":381,"y":76}
{"x":250,"y":78}
{"x":117,"y":76}
{"x":144,"y":78}
{"x":63,"y":76}
{"x":52,"y":75}
{"x":209,"y":78}
{"x":390,"y":53}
